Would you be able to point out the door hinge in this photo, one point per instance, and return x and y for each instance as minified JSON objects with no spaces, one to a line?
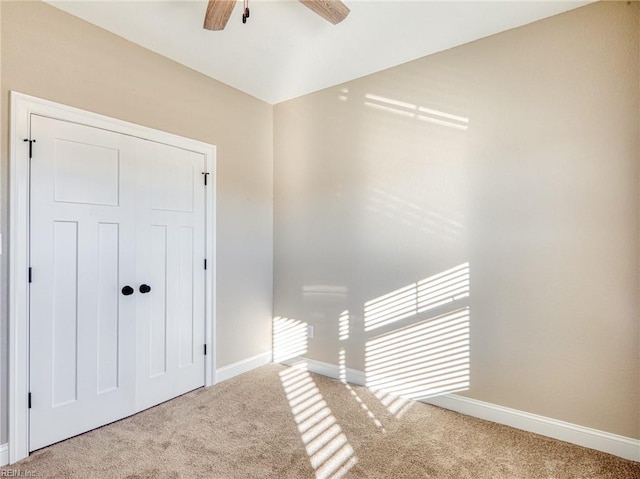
{"x":205,"y":349}
{"x":30,"y":275}
{"x":205,"y":264}
{"x":31,"y":142}
{"x":29,"y":401}
{"x":205,"y":177}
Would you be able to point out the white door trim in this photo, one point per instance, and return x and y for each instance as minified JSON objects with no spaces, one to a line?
{"x":22,"y":106}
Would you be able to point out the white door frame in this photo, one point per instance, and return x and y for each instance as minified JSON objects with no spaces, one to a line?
{"x":22,"y":106}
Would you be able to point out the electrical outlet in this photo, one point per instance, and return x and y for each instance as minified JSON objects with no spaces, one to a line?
{"x":309,"y":331}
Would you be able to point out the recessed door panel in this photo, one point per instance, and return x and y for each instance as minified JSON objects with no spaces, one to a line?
{"x":172,"y":176}
{"x":158,"y":319}
{"x":64,"y":366}
{"x":86,"y":173}
{"x":107,"y":307}
{"x":186,"y":296}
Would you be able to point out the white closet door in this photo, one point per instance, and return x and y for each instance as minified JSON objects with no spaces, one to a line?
{"x":170,"y":260}
{"x":82,"y":328}
{"x":111,"y":211}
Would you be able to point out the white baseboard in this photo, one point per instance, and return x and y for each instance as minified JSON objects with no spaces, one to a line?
{"x":4,"y":454}
{"x":234,"y":369}
{"x":330,"y":370}
{"x":583,"y":436}
{"x":625,"y":447}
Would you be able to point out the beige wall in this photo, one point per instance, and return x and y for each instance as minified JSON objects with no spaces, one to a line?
{"x":540,"y":195}
{"x":52,"y":55}
{"x":4,"y":327}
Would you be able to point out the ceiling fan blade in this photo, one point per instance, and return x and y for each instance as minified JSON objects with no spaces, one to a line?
{"x":333,"y":11}
{"x":218,"y":13}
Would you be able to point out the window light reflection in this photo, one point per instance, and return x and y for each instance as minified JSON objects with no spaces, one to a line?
{"x":421,"y":113}
{"x":342,"y":366}
{"x":429,"y":293}
{"x":289,"y":338}
{"x":421,"y":360}
{"x":329,"y":451}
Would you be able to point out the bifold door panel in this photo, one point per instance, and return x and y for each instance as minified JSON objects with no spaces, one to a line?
{"x":171,"y":253}
{"x":117,"y":292}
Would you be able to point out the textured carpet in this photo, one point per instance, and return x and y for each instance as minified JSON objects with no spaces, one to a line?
{"x":281,"y":422}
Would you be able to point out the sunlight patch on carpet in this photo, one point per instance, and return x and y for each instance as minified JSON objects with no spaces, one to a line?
{"x":342,"y":363}
{"x":329,"y":451}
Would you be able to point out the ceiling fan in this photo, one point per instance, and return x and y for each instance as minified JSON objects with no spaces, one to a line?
{"x":219,"y":11}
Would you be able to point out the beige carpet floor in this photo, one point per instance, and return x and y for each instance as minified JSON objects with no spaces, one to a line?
{"x":281,"y":422}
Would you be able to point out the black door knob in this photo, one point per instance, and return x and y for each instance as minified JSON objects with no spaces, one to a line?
{"x":127,"y":290}
{"x":145,"y":288}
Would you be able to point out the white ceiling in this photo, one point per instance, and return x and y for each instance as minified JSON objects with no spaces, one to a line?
{"x":285,"y":50}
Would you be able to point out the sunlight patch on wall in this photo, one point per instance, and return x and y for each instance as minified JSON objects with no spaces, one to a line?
{"x":343,"y":326}
{"x":324,"y":291}
{"x":421,"y":360}
{"x":329,"y":451}
{"x":443,"y":288}
{"x":289,"y":338}
{"x":399,"y":304}
{"x":406,"y":212}
{"x":342,"y":365}
{"x":411,"y":110}
{"x":429,"y":293}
